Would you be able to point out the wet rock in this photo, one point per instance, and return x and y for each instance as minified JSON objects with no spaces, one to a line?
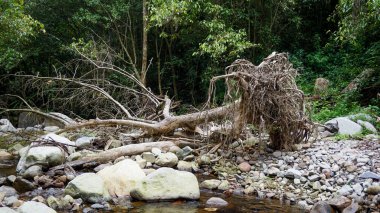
{"x":84,"y":141}
{"x":7,"y":210}
{"x":167,"y":160}
{"x":210,"y":184}
{"x":224,"y":185}
{"x":346,"y":126}
{"x":149,"y":157}
{"x":32,"y":171}
{"x":373,"y":190}
{"x":120,"y":178}
{"x":23,"y":185}
{"x":322,"y":207}
{"x":340,"y":202}
{"x":184,"y":166}
{"x":33,"y":207}
{"x":89,"y":187}
{"x":244,"y":167}
{"x":216,"y":202}
{"x":167,"y":184}
{"x":371,"y":175}
{"x":6,"y":126}
{"x":354,"y":207}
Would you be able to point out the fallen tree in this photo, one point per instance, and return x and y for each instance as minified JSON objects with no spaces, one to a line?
{"x":265,"y":96}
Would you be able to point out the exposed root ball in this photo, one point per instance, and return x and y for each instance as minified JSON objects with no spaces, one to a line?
{"x":269,"y":99}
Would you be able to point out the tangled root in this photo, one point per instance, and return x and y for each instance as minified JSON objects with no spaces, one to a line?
{"x":269,"y":99}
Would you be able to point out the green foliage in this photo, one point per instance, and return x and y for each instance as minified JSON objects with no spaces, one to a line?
{"x":17,"y":28}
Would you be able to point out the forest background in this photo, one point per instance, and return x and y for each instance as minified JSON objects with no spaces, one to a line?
{"x":175,"y":47}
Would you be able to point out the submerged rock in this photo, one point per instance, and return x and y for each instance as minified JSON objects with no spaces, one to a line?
{"x":120,"y":178}
{"x":89,"y":187}
{"x":216,"y":202}
{"x":167,"y":184}
{"x":33,"y":207}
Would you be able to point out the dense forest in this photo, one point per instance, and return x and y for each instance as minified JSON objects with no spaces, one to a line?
{"x":175,"y":47}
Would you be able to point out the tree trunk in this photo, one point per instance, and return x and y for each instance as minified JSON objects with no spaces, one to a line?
{"x":145,"y":44}
{"x":112,"y":154}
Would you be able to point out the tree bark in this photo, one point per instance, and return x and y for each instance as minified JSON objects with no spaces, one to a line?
{"x":144,"y":62}
{"x":112,"y":154}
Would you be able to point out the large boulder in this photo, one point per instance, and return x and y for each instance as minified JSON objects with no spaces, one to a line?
{"x":88,"y":186}
{"x":367,"y":125}
{"x":33,"y":207}
{"x":46,"y":156}
{"x":7,"y":210}
{"x":167,"y":184}
{"x":346,"y":126}
{"x":6,"y":126}
{"x":120,"y":178}
{"x":28,"y":119}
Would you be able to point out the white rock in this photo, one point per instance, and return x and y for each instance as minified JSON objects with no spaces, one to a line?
{"x":167,"y":184}
{"x":167,"y":159}
{"x":367,"y":125}
{"x":210,"y":184}
{"x":6,"y":126}
{"x":156,"y":151}
{"x":51,"y":128}
{"x":89,"y":187}
{"x":84,"y":141}
{"x":33,"y":207}
{"x":120,"y":178}
{"x":346,"y":126}
{"x":345,"y":190}
{"x":46,"y":156}
{"x":216,"y":202}
{"x":7,"y":210}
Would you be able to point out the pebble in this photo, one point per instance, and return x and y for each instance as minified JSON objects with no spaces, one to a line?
{"x":244,"y":167}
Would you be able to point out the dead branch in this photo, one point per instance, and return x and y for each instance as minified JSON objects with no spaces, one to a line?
{"x":112,"y":154}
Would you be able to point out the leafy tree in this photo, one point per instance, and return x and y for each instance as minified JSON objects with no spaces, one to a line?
{"x":17,"y":29}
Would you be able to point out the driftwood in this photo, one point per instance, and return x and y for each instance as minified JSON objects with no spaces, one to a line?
{"x":112,"y":154}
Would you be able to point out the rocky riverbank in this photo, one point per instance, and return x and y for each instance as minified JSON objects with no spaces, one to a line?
{"x":318,"y":176}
